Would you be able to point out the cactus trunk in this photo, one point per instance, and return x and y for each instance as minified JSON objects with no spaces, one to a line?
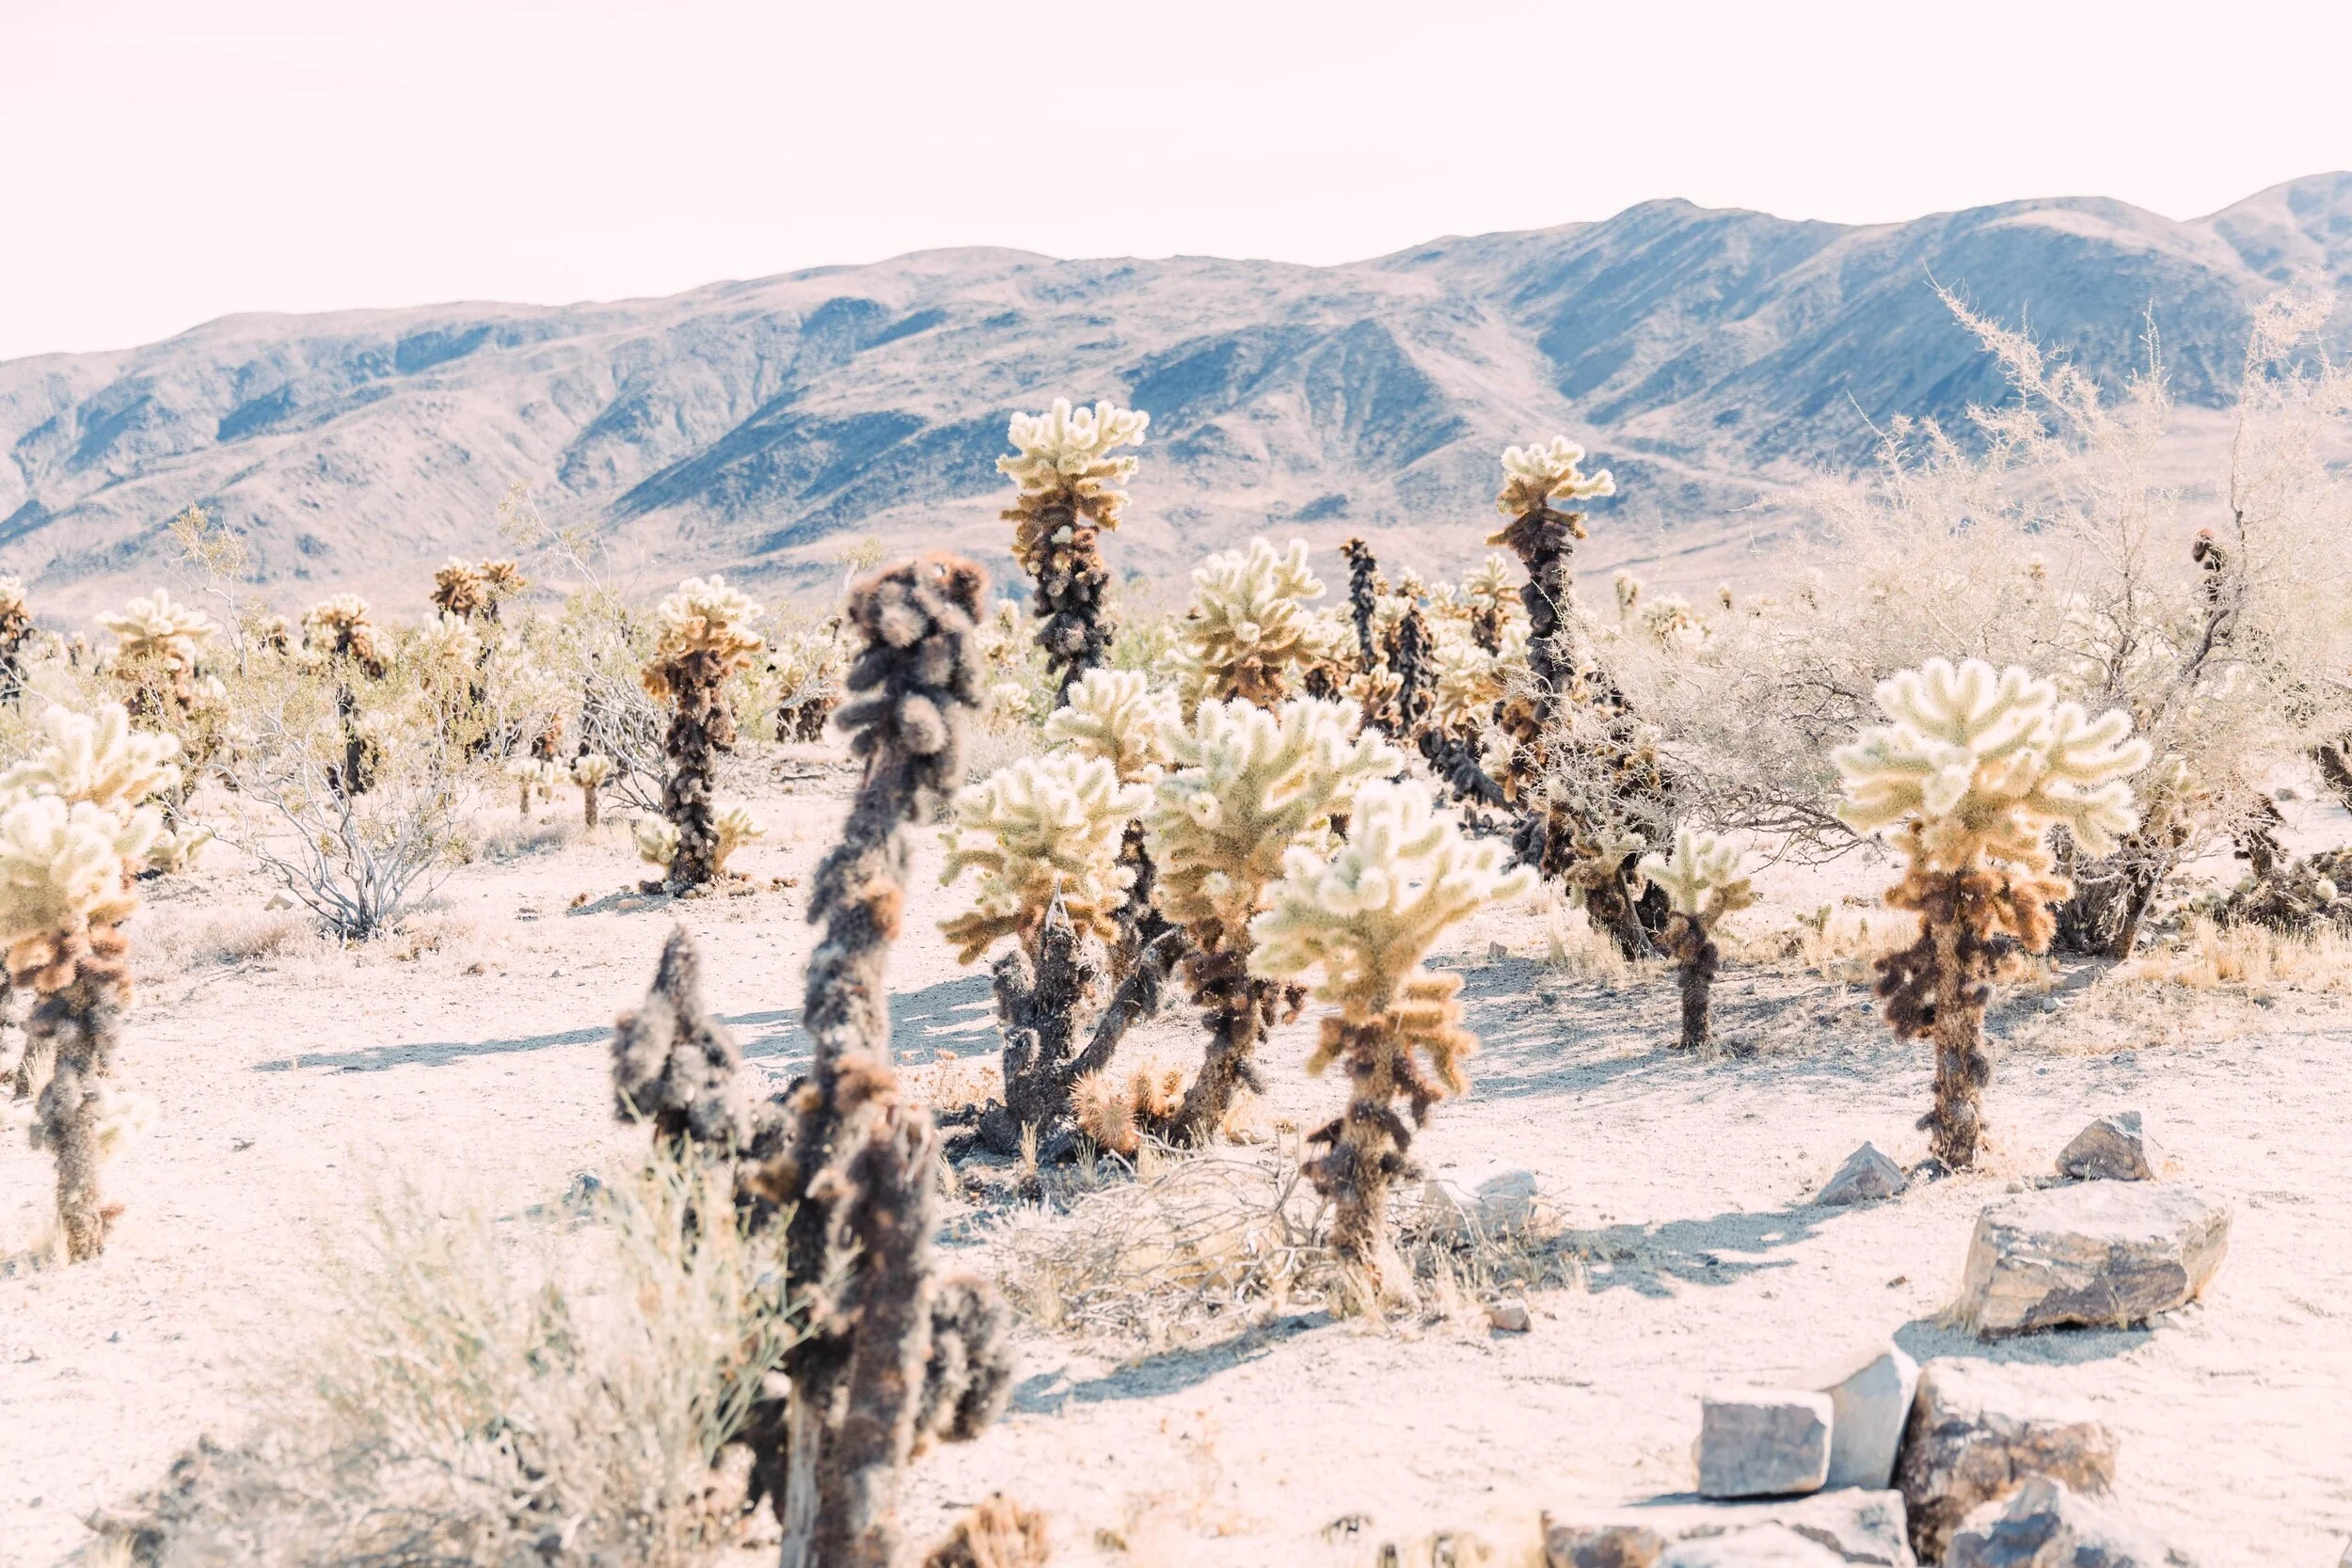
{"x":1240,"y":1009}
{"x":1957,"y":1124}
{"x":588,"y":797}
{"x":698,"y":732}
{"x":1366,"y":1148}
{"x":78,"y":1026}
{"x":1696,"y":959}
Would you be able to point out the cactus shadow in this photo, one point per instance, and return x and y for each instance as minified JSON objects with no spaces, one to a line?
{"x":1925,"y":1339}
{"x":1158,"y":1376}
{"x":1653,"y":1259}
{"x":958,"y":1014}
{"x":377,"y":1058}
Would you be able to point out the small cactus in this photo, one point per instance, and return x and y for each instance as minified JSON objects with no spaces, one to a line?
{"x":589,"y":772}
{"x":1249,"y":633}
{"x":1363,"y":917}
{"x":1973,"y":771}
{"x":1702,"y":881}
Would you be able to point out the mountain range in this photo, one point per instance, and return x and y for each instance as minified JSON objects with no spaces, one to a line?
{"x":1709,"y":358}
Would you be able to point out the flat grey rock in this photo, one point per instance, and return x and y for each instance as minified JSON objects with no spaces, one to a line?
{"x":1765,"y":1546}
{"x":1975,"y":1437}
{"x":2044,"y":1524}
{"x":1869,"y":1406}
{"x":1863,"y":1528}
{"x":1763,"y":1442}
{"x":2100,"y":1253}
{"x":1864,"y":1178}
{"x":2112,"y":1148}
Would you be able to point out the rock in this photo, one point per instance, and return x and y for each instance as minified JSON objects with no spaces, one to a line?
{"x":1509,"y":1316}
{"x":2113,"y":1148}
{"x":1866,"y":1177}
{"x":1765,"y":1546}
{"x":1975,"y":1437}
{"x":1501,"y":1204}
{"x":2105,"y":1254}
{"x":1763,"y":1443}
{"x":1853,"y":1526}
{"x":2044,"y":1524}
{"x":1870,"y":1405}
{"x":1607,"y":1547}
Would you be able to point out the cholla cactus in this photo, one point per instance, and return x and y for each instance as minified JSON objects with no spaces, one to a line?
{"x":656,"y":838}
{"x":338,"y":630}
{"x":72,"y":829}
{"x":1116,"y":714}
{"x":1702,"y":881}
{"x":1967,"y":780}
{"x":534,"y":776}
{"x":736,"y":827}
{"x":16,"y":630}
{"x":1042,"y":829}
{"x":1249,"y":633}
{"x":1366,"y":586}
{"x":1068,"y":480}
{"x":472,"y":590}
{"x":589,"y":772}
{"x":158,"y":645}
{"x":807,"y":667}
{"x":1364,"y":917}
{"x":1493,"y":600}
{"x":706,"y":637}
{"x":1249,"y":786}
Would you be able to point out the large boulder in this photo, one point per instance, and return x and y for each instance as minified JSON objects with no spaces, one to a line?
{"x":1866,"y":1177}
{"x":2112,"y":1148}
{"x":2105,"y":1254}
{"x":2044,"y":1524}
{"x":1869,"y":1403}
{"x":1975,"y":1437}
{"x":1763,"y":1442}
{"x":1858,"y":1528}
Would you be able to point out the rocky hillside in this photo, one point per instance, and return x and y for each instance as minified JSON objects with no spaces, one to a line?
{"x":1707,"y":356}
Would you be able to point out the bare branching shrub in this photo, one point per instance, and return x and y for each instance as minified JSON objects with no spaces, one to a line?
{"x":475,"y":1393}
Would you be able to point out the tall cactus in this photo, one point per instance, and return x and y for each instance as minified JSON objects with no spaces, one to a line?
{"x":72,"y":827}
{"x":1365,"y":916}
{"x":1973,"y":771}
{"x":1068,"y":476}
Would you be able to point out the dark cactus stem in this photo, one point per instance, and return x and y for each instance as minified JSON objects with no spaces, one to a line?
{"x":77,"y":1027}
{"x":1240,"y":1009}
{"x":1696,"y":960}
{"x":1937,"y":989}
{"x":16,"y":630}
{"x":1041,"y":995}
{"x":866,"y":1384}
{"x":700,"y":730}
{"x":1410,"y":656}
{"x":1075,"y":630}
{"x":1363,"y":598}
{"x":359,"y":769}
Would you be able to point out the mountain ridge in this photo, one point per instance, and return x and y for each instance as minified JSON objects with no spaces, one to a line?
{"x":1711,"y":356}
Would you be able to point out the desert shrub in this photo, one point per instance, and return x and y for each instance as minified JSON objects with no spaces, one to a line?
{"x":562,"y":1392}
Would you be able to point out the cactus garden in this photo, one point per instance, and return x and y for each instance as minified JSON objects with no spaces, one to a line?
{"x":1406,"y":1046}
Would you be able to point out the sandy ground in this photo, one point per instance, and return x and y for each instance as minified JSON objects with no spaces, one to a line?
{"x":285,"y":1082}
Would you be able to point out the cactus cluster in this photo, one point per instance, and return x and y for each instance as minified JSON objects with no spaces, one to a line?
{"x":158,"y":644}
{"x":1974,"y":768}
{"x":1248,"y":634}
{"x":1067,"y":468}
{"x":16,"y":631}
{"x":706,"y":636}
{"x":474,"y":589}
{"x":1702,"y":883}
{"x":74,"y":830}
{"x":1363,"y":917}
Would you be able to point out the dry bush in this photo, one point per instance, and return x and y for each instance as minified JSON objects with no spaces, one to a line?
{"x":2255,"y":958}
{"x":1573,"y":948}
{"x":202,"y":941}
{"x":953,"y":1082}
{"x":489,"y":1394}
{"x":507,"y":840}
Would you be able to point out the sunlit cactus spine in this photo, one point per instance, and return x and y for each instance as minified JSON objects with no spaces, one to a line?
{"x":1362,"y":918}
{"x":1974,"y":769}
{"x":1117,"y":716}
{"x":1068,"y":468}
{"x":17,"y":632}
{"x":73,"y":829}
{"x":706,"y":637}
{"x":1702,"y":884}
{"x":1246,"y":786}
{"x":590,"y":770}
{"x":1247,"y":633}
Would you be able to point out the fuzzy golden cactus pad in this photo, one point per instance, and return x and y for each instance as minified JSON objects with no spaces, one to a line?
{"x":98,"y":758}
{"x":1249,"y":631}
{"x":1067,"y":454}
{"x":1251,"y":784}
{"x":1043,"y":828}
{"x":1537,"y":475}
{"x":1365,"y":916}
{"x":1116,"y":714}
{"x":704,"y":617}
{"x":1979,"y":762}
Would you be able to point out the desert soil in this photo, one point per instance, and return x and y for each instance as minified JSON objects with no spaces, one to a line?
{"x":287,"y":1080}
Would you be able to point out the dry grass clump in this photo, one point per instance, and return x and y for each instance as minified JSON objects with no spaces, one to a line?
{"x":206,"y":940}
{"x":494,"y":1395}
{"x":2253,"y":958}
{"x":512,"y":840}
{"x":1573,"y":947}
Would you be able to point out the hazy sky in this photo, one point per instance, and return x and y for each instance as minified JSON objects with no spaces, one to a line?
{"x":168,"y":161}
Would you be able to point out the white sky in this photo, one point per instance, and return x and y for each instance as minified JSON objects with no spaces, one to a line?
{"x":167,"y":161}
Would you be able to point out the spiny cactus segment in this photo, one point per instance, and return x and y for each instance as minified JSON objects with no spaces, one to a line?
{"x":706,"y":636}
{"x":1068,"y":468}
